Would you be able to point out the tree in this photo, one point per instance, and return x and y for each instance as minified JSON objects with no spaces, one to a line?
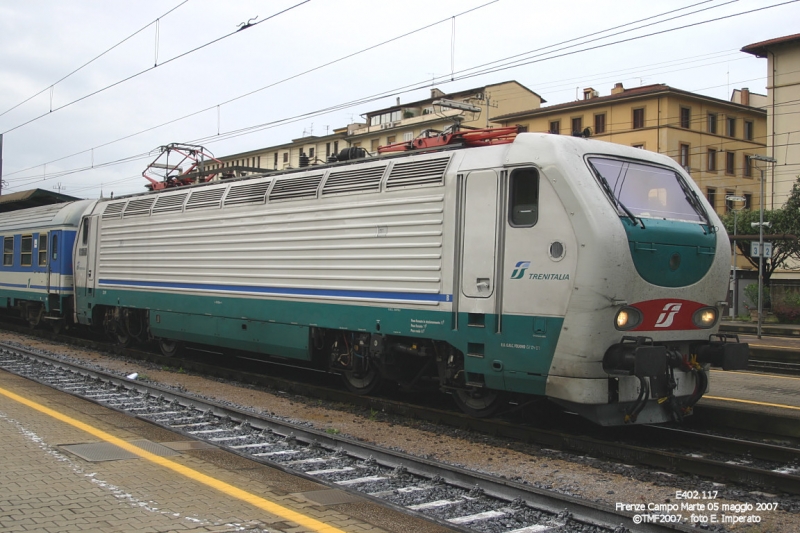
{"x":785,"y":221}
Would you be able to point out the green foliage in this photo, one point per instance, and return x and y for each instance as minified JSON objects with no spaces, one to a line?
{"x":751,"y":296}
{"x":332,"y":431}
{"x":785,"y":221}
{"x":787,"y":308}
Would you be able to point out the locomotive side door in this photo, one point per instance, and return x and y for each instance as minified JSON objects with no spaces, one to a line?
{"x":85,"y":248}
{"x":479,"y":240}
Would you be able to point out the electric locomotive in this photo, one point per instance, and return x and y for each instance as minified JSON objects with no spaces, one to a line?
{"x":530,"y":265}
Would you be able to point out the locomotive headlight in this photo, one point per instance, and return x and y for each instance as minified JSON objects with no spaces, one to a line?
{"x":627,"y":318}
{"x":705,"y":317}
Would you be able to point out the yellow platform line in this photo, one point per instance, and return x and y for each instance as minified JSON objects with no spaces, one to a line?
{"x":759,"y":374}
{"x":752,"y":402}
{"x":225,"y":488}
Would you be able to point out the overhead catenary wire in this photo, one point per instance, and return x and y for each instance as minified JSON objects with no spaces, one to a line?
{"x":410,"y":87}
{"x":137,"y":74}
{"x":107,"y":50}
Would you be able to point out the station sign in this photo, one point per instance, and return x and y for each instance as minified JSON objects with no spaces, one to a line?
{"x":756,"y":252}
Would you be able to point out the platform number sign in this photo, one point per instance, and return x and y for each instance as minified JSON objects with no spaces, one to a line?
{"x":755,"y":252}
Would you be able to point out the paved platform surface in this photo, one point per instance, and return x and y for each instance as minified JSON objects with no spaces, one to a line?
{"x":45,"y":488}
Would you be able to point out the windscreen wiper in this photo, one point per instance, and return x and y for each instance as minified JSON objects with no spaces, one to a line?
{"x":607,"y":188}
{"x":694,"y":201}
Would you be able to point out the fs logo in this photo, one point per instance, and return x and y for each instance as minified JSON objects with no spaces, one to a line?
{"x":668,"y":315}
{"x":519,"y":269}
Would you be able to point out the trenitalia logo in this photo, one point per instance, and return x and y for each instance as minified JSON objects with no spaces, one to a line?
{"x":519,"y":269}
{"x":668,"y":315}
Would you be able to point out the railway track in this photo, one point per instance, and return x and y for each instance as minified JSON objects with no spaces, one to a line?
{"x":452,"y":496}
{"x":748,"y":462}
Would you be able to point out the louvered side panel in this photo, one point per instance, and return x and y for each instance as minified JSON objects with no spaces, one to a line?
{"x":354,"y":180}
{"x":378,"y":251}
{"x":247,"y":193}
{"x":138,"y":207}
{"x":418,"y":172}
{"x":205,"y":198}
{"x":168,"y":203}
{"x":295,"y":187}
{"x":114,"y":210}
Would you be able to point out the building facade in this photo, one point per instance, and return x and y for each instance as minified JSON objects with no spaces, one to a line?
{"x":401,"y":122}
{"x":713,"y":139}
{"x":783,"y":114}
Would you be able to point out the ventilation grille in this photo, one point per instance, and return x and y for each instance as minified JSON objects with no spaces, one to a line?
{"x":359,"y":179}
{"x":114,"y":210}
{"x":204,"y":199}
{"x":171,"y":202}
{"x":138,"y":207}
{"x":292,"y":188}
{"x":249,"y":193}
{"x":425,"y":172}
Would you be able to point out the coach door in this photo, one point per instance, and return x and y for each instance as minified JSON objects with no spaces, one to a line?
{"x":479,"y":213}
{"x":85,"y":257}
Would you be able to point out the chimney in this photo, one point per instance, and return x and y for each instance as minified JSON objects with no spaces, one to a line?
{"x":436,"y":93}
{"x":745,"y":96}
{"x":618,"y":89}
{"x":398,"y":100}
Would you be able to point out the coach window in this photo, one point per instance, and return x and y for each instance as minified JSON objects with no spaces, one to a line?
{"x":524,"y":201}
{"x":54,"y":249}
{"x":8,"y":251}
{"x":42,"y":249}
{"x":26,"y":251}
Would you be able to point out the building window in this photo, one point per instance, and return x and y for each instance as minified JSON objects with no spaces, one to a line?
{"x":577,"y":125}
{"x":748,"y":130}
{"x":711,"y":196}
{"x":522,"y":129}
{"x":524,"y":201}
{"x":712,"y":123}
{"x":327,"y":150}
{"x":555,"y":126}
{"x":8,"y":251}
{"x":748,"y":200}
{"x":638,"y":118}
{"x":311,"y":152}
{"x":275,"y":163}
{"x":684,"y":156}
{"x":728,"y":204}
{"x":42,"y":249}
{"x":373,"y":145}
{"x":391,"y":139}
{"x":712,"y":159}
{"x":600,"y":123}
{"x":730,"y":163}
{"x":730,"y":126}
{"x":408,"y":136}
{"x":639,"y":146}
{"x":285,"y":157}
{"x":335,"y":147}
{"x":686,"y":118}
{"x":26,"y":251}
{"x":748,"y":166}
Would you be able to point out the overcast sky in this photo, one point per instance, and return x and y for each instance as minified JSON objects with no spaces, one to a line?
{"x":41,"y":41}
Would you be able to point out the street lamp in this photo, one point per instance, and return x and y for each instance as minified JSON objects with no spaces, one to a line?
{"x":734,"y":307}
{"x":761,"y":242}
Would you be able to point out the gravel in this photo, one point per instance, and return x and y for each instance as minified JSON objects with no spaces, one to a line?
{"x":585,"y":477}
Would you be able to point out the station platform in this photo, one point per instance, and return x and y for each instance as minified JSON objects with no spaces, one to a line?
{"x":66,"y":467}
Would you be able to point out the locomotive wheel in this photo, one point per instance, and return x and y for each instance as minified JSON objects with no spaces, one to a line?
{"x":363,"y":382}
{"x":169,"y":347}
{"x":480,"y":403}
{"x":123,"y":338}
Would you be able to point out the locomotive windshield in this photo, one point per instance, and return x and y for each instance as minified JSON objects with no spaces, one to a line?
{"x":640,"y":190}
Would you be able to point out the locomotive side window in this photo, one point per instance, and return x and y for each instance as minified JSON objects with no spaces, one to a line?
{"x":42,"y":249}
{"x":55,"y":248}
{"x":524,"y":200}
{"x":8,"y":251}
{"x":26,"y":251}
{"x":85,"y":235}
